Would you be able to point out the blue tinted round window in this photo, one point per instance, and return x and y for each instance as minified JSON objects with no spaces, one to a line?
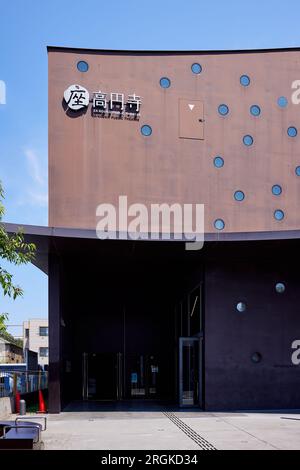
{"x":146,"y":130}
{"x":218,"y":162}
{"x":279,"y":214}
{"x":219,"y":224}
{"x":239,"y":196}
{"x":256,"y":358}
{"x":82,"y":66}
{"x":165,"y":82}
{"x":292,"y":131}
{"x":241,"y":307}
{"x":255,"y":110}
{"x":248,"y":140}
{"x":297,"y":171}
{"x":223,"y":109}
{"x":282,"y":102}
{"x":245,"y":80}
{"x":196,"y":68}
{"x":276,"y":190}
{"x":280,"y":287}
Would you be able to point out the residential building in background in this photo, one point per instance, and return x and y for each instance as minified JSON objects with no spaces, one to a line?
{"x":35,"y":338}
{"x":10,"y":353}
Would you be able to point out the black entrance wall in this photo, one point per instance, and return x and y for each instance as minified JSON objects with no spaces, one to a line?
{"x":248,"y":273}
{"x":121,"y":296}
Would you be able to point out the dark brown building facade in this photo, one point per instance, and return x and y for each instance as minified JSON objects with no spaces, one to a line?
{"x":94,"y":160}
{"x":216,"y":328}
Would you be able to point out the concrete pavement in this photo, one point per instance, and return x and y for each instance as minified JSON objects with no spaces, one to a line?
{"x":181,"y":430}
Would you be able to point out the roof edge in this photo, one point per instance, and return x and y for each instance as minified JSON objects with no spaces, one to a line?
{"x":170,"y":52}
{"x":46,"y":231}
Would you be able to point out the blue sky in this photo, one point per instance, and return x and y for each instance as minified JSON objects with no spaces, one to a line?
{"x":28,"y":26}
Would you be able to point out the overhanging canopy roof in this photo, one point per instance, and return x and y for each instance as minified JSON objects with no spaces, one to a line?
{"x":63,"y":240}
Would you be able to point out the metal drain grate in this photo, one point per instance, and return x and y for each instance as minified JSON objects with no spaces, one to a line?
{"x":200,"y":441}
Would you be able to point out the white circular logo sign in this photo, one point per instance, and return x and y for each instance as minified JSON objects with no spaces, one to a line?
{"x":77,"y":97}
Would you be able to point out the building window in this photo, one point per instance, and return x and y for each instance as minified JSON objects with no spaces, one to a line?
{"x":279,"y":214}
{"x":219,"y":224}
{"x":282,"y":101}
{"x":146,"y":130}
{"x":43,"y":330}
{"x":256,"y":357}
{"x":44,"y":352}
{"x":241,"y":307}
{"x":82,"y":66}
{"x":244,"y":80}
{"x":292,"y":131}
{"x":276,"y":190}
{"x":218,"y":162}
{"x":223,"y":109}
{"x":165,"y":82}
{"x":280,"y":287}
{"x":26,"y":332}
{"x":196,"y":68}
{"x":255,"y":110}
{"x":239,"y":196}
{"x":248,"y":140}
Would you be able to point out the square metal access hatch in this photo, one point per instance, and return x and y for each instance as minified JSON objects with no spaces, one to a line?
{"x":191,"y":119}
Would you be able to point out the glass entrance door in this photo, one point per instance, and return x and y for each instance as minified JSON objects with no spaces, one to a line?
{"x":102,"y":376}
{"x":190,"y":377}
{"x":114,"y":376}
{"x":142,"y":376}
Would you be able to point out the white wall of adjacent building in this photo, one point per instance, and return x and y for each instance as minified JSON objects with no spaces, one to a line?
{"x":35,"y":338}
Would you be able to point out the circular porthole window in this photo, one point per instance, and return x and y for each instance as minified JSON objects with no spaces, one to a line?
{"x":241,"y":307}
{"x":219,"y":224}
{"x":255,"y":110}
{"x":279,"y":214}
{"x":146,"y":130}
{"x":244,"y":80}
{"x":248,"y":140}
{"x":292,"y":131}
{"x":239,"y":196}
{"x":196,"y":68}
{"x":165,"y":82}
{"x":282,"y":102}
{"x":82,"y":66}
{"x":223,"y":109}
{"x":280,"y":287}
{"x":218,"y":162}
{"x":297,"y":170}
{"x":276,"y":190}
{"x":256,"y":357}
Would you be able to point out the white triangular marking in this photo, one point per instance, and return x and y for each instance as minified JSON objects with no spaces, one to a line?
{"x":191,"y":106}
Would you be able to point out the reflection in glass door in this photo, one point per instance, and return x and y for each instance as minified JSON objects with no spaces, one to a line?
{"x":190,"y":379}
{"x":143,"y":374}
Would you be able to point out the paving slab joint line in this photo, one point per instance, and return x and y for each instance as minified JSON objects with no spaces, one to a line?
{"x":193,"y":435}
{"x":250,"y":434}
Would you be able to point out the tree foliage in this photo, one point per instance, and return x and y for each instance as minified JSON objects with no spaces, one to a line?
{"x":17,"y":341}
{"x":15,"y":250}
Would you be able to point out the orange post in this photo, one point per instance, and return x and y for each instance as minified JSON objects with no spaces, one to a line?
{"x":18,"y":398}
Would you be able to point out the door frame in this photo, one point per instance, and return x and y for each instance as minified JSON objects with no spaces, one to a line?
{"x":192,"y":339}
{"x":118,"y":372}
